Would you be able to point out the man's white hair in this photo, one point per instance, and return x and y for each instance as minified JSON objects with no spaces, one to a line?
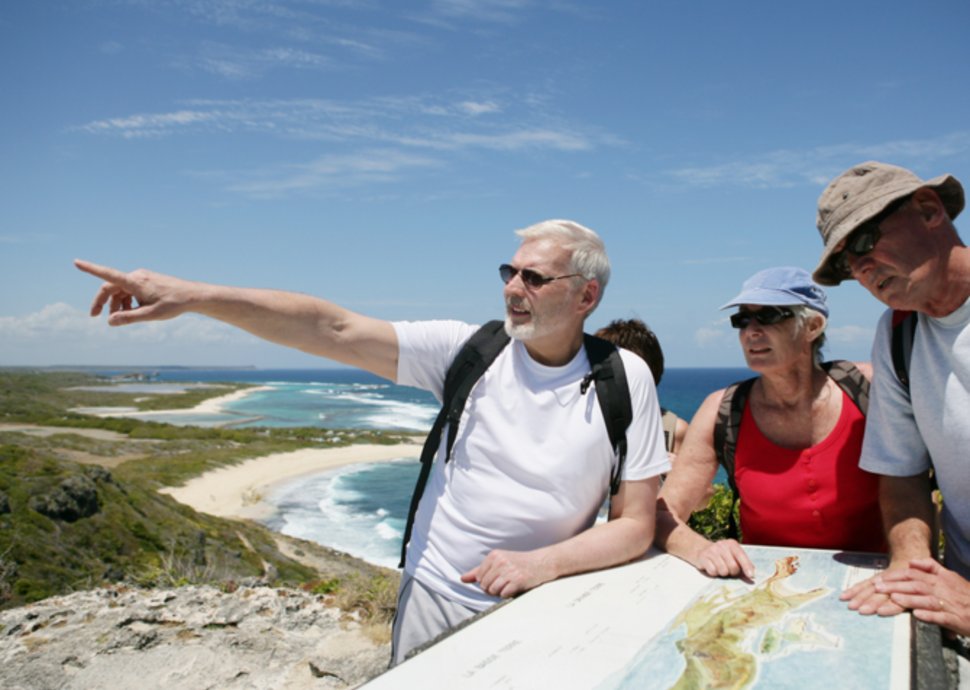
{"x":587,"y":251}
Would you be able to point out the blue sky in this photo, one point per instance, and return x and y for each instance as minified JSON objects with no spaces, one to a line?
{"x":380,"y":154}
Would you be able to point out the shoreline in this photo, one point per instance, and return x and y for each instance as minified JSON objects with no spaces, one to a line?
{"x":209,"y":406}
{"x":215,"y":405}
{"x":237,"y":491}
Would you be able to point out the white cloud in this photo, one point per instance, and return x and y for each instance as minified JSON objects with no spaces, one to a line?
{"x":366,"y":141}
{"x":791,"y":167}
{"x":412,"y":122}
{"x":520,"y":139}
{"x":333,"y":171}
{"x":150,"y":125}
{"x":28,"y":238}
{"x":111,"y":47}
{"x":443,"y":12}
{"x":715,"y":336}
{"x":70,"y":327}
{"x":850,"y":335}
{"x":703,"y":261}
{"x":479,"y":108}
{"x":238,"y":64}
{"x":352,"y":33}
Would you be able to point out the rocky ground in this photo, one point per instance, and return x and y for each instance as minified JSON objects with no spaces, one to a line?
{"x":187,"y":638}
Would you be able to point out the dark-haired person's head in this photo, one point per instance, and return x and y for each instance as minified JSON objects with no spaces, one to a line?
{"x":634,"y":335}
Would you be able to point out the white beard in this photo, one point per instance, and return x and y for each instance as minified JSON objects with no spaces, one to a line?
{"x":542,"y":322}
{"x":524,"y":331}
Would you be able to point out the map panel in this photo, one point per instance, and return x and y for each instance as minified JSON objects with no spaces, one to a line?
{"x":659,"y":623}
{"x":787,"y":630}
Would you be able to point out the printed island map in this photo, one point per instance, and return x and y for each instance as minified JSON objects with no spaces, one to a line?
{"x":658,"y":623}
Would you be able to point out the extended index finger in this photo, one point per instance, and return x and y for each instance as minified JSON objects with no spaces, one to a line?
{"x":107,"y":273}
{"x":115,"y":282}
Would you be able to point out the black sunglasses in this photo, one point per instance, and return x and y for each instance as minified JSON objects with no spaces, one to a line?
{"x":766,"y":316}
{"x":863,"y":239}
{"x":529,"y":277}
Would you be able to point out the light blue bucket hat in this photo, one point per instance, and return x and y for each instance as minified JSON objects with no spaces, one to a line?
{"x":783,"y":286}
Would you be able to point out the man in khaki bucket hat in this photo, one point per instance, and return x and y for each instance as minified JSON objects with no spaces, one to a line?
{"x":893,"y":232}
{"x":864,"y":195}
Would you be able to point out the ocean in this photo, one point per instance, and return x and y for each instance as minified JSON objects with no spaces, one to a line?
{"x":361,"y":509}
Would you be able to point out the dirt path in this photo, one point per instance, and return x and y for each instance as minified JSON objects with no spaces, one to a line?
{"x":36,"y":430}
{"x":81,"y":456}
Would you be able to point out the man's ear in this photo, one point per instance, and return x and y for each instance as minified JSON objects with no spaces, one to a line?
{"x":929,"y":206}
{"x":589,"y":296}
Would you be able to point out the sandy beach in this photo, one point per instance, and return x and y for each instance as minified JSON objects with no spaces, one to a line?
{"x":207,"y":406}
{"x":214,"y":405}
{"x":237,"y":491}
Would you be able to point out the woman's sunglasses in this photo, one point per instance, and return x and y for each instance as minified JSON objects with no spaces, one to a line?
{"x":766,"y":316}
{"x":529,"y":277}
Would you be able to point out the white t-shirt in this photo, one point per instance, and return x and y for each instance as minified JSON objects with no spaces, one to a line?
{"x":531,"y":462}
{"x":901,"y":436}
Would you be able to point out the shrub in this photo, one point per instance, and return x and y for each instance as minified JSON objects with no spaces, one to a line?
{"x":714,"y":521}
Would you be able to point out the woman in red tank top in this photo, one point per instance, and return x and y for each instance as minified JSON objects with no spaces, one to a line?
{"x":798,"y":443}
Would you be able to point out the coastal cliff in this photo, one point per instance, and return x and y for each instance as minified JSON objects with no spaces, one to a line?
{"x":106,"y":582}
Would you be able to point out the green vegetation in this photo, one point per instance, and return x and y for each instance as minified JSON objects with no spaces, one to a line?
{"x":33,"y":396}
{"x":714,"y":521}
{"x":80,"y":507}
{"x":136,"y":535}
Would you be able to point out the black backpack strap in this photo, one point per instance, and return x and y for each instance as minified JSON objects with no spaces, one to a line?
{"x":728,"y":424}
{"x":901,"y":343}
{"x":613,"y":395}
{"x":902,"y":335}
{"x":726,"y":428}
{"x":474,"y":357}
{"x":469,"y":365}
{"x":668,"y":421}
{"x":848,"y":377}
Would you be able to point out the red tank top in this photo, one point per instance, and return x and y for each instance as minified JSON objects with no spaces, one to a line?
{"x":814,"y":497}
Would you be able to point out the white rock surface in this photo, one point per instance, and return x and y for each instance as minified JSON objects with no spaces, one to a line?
{"x":187,"y":638}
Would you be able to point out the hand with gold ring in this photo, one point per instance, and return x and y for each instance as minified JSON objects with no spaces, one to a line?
{"x":933,"y":593}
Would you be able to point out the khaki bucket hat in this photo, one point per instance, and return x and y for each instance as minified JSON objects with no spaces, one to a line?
{"x":861,"y":193}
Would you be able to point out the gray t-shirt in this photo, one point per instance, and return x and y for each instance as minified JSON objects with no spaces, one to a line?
{"x":902,"y":436}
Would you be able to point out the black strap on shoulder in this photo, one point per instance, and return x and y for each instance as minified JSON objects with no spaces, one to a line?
{"x":901,"y":343}
{"x":902,"y":335}
{"x":613,"y":394}
{"x":728,"y":423}
{"x":474,"y":357}
{"x":848,"y":377}
{"x":726,"y":427}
